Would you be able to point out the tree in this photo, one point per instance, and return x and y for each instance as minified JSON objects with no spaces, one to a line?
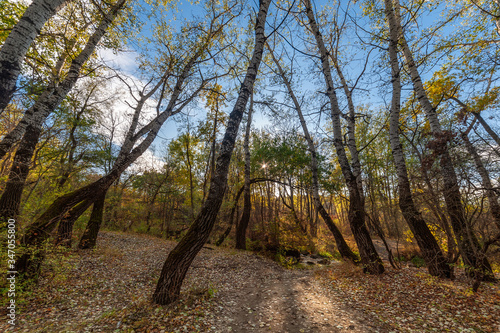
{"x":43,"y":107}
{"x":468,"y":243}
{"x":18,"y":42}
{"x":172,"y":95}
{"x":241,"y":227}
{"x":429,"y":248}
{"x":369,"y":257}
{"x":342,"y":246}
{"x":180,"y":258}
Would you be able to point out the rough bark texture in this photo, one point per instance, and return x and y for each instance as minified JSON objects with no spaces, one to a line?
{"x":351,"y":127}
{"x":65,"y":229}
{"x":178,"y":261}
{"x":467,"y":242}
{"x":356,"y":212}
{"x":44,"y":106}
{"x":344,"y":249}
{"x":89,"y":237}
{"x":11,"y":197}
{"x":431,"y":252}
{"x":241,"y":228}
{"x":18,"y":42}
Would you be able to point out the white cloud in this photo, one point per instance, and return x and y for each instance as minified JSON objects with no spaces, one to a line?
{"x":124,"y":61}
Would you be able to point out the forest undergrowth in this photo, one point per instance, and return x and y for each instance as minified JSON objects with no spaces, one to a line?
{"x":109,"y":290}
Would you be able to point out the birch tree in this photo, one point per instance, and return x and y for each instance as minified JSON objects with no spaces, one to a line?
{"x":342,"y":246}
{"x":18,"y":42}
{"x":467,"y":241}
{"x":178,"y":86}
{"x":36,"y":115}
{"x":428,"y":245}
{"x":356,"y":212}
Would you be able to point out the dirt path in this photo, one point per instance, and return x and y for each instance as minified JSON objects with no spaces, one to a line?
{"x":109,"y":290}
{"x":277,"y":300}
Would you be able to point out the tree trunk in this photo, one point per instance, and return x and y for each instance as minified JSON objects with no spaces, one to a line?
{"x":40,"y":230}
{"x":356,"y":212}
{"x":89,"y":237}
{"x":18,"y":42}
{"x":467,"y":242}
{"x":487,"y":127}
{"x":46,"y":104}
{"x":65,"y":229}
{"x":55,"y":93}
{"x":235,"y":207}
{"x":241,"y":228}
{"x":178,"y":261}
{"x":431,"y":252}
{"x":30,"y":261}
{"x":11,"y":196}
{"x":342,"y":246}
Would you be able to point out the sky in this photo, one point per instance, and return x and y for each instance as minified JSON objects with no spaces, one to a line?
{"x":126,"y":62}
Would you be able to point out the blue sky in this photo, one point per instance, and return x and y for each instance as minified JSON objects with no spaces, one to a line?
{"x":126,"y":60}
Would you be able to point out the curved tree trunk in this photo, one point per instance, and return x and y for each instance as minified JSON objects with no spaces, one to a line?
{"x":89,"y":237}
{"x":30,"y":261}
{"x":44,"y":106}
{"x":235,"y":206}
{"x":180,"y":258}
{"x":241,"y":228}
{"x":11,"y":196}
{"x":356,"y":212}
{"x":344,"y":249}
{"x":18,"y":42}
{"x":40,"y":230}
{"x":467,"y":241}
{"x":431,"y":252}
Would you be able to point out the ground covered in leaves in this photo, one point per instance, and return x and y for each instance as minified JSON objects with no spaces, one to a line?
{"x":109,"y":290}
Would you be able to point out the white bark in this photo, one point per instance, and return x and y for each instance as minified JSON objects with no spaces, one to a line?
{"x":18,"y":42}
{"x":466,"y":240}
{"x":342,"y":246}
{"x":357,"y":214}
{"x":55,"y":93}
{"x":428,"y":245}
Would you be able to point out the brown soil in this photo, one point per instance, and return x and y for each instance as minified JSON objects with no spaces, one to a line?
{"x":109,"y":290}
{"x":277,"y":300}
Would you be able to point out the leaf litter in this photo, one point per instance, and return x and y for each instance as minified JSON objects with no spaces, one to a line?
{"x":109,"y":290}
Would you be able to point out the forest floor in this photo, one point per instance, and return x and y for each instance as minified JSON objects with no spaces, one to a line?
{"x":109,"y":290}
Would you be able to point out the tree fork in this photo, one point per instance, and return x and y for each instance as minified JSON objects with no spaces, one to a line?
{"x":89,"y":237}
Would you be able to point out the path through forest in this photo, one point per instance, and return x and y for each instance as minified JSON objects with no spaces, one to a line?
{"x":278,"y":300}
{"x":109,"y":290}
